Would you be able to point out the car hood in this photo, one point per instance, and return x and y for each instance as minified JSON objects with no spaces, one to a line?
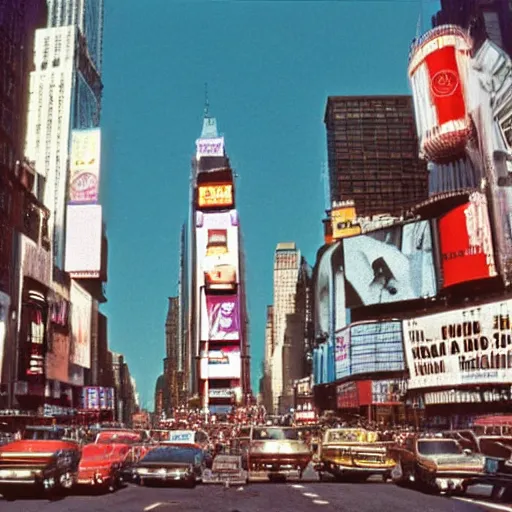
{"x":458,"y":460}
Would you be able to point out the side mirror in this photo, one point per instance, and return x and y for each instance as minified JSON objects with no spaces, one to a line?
{"x":467,"y":451}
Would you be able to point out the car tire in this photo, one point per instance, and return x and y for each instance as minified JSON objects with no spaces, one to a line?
{"x":191,"y":484}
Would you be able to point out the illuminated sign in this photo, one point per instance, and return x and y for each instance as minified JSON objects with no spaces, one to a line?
{"x":343,"y":221}
{"x":220,"y":195}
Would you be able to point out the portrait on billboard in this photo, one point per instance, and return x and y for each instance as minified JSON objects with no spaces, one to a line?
{"x":465,"y":240}
{"x":217,"y":250}
{"x":324,"y":291}
{"x":388,"y":265}
{"x":223,"y":314}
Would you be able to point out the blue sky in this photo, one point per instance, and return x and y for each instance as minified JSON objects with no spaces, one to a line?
{"x":270,"y":66}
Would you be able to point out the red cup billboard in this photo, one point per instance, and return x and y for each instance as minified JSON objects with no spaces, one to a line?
{"x":465,"y":243}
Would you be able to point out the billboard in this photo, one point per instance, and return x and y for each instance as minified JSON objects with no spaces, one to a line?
{"x":438,"y":74}
{"x":215,"y":195}
{"x":97,"y":398}
{"x":342,"y":353}
{"x":217,"y":250}
{"x":223,"y":363}
{"x":388,"y":265}
{"x":81,"y":312}
{"x":388,"y":392}
{"x":57,"y":358}
{"x":220,"y":318}
{"x":5,"y":302}
{"x":343,"y":221}
{"x":210,"y":147}
{"x":466,"y":243}
{"x":323,"y":362}
{"x":324,"y":292}
{"x":84,"y":166}
{"x":460,"y":347}
{"x":83,"y":241}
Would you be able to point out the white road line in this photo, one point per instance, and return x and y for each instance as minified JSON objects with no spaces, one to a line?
{"x":297,"y":486}
{"x":151,"y":507}
{"x":494,"y":506}
{"x":320,"y":502}
{"x":310,"y":494}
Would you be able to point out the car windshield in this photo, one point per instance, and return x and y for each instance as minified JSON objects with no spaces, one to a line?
{"x":50,"y":434}
{"x":171,"y":454}
{"x":445,"y":447}
{"x":275,"y":434}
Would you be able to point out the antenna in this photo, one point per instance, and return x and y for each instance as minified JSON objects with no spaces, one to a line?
{"x":206,"y":101}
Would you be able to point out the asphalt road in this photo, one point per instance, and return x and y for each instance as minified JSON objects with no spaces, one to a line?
{"x":264,"y":497}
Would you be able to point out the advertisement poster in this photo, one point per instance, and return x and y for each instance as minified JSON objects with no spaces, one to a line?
{"x":460,"y":347}
{"x":389,"y":265}
{"x":224,"y":363}
{"x":84,"y":166}
{"x":81,"y":312}
{"x":343,"y":221}
{"x":324,"y":292}
{"x":219,"y":195}
{"x":376,"y":347}
{"x":223,"y":318}
{"x":342,"y":353}
{"x":5,"y":302}
{"x":465,"y":243}
{"x":388,"y":392}
{"x":57,"y":358}
{"x":217,"y":250}
{"x":210,"y":147}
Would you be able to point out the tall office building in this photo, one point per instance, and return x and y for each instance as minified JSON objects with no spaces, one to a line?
{"x":266,"y":379}
{"x":183,"y":346}
{"x":65,"y":95}
{"x":373,"y":154}
{"x":287,"y":259}
{"x":172,"y":354}
{"x":484,"y":18}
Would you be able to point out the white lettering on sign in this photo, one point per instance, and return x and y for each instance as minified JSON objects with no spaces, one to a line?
{"x":210,"y":147}
{"x":178,"y":436}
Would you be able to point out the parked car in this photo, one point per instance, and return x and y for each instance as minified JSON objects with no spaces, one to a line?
{"x":353,"y":453}
{"x":226,"y":469}
{"x":437,"y":464}
{"x":45,"y":460}
{"x":171,"y":463}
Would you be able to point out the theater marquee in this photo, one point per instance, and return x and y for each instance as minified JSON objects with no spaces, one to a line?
{"x":217,"y":196}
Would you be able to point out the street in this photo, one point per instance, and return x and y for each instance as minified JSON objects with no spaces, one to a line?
{"x":264,"y":497}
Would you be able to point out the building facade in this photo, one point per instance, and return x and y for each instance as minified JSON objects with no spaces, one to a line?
{"x":287,"y":260}
{"x":373,"y":154}
{"x":172,"y":340}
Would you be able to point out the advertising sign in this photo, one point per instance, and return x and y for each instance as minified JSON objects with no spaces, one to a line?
{"x":210,"y":147}
{"x":323,"y":278}
{"x":219,"y":195}
{"x":389,"y":265}
{"x":460,"y":347}
{"x":217,"y":250}
{"x":84,"y":167}
{"x":83,"y":241}
{"x":376,"y":347}
{"x":465,"y":242}
{"x":342,"y":353}
{"x":468,"y":396}
{"x":224,"y":363}
{"x":343,"y":220}
{"x":182,"y":436}
{"x":388,"y":392}
{"x":221,"y":320}
{"x":81,"y":312}
{"x":347,"y":396}
{"x":97,"y":398}
{"x":438,"y":76}
{"x":5,"y":302}
{"x":57,"y":358}
{"x":36,"y":261}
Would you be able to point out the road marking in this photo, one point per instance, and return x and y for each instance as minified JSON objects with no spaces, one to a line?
{"x":494,"y":506}
{"x":151,"y":507}
{"x":320,"y":502}
{"x":310,"y":494}
{"x":297,"y":486}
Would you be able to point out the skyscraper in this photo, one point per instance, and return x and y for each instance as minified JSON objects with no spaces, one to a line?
{"x":373,"y":154}
{"x":484,"y":18}
{"x":287,"y":260}
{"x":172,"y":354}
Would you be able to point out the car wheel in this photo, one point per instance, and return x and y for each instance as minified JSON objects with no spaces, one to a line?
{"x":191,"y":484}
{"x":9,"y":496}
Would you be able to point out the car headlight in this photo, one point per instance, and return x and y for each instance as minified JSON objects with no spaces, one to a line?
{"x":142,"y":471}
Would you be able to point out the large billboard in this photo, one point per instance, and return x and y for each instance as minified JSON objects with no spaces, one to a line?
{"x":57,"y":357}
{"x":343,"y":222}
{"x":217,"y":250}
{"x":323,"y":279}
{"x":222,"y":363}
{"x":220,"y":319}
{"x":460,"y":347}
{"x":466,"y":243}
{"x":388,"y":265}
{"x":215,"y":195}
{"x":83,"y":241}
{"x":84,"y":166}
{"x":81,"y":318}
{"x":370,"y":347}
